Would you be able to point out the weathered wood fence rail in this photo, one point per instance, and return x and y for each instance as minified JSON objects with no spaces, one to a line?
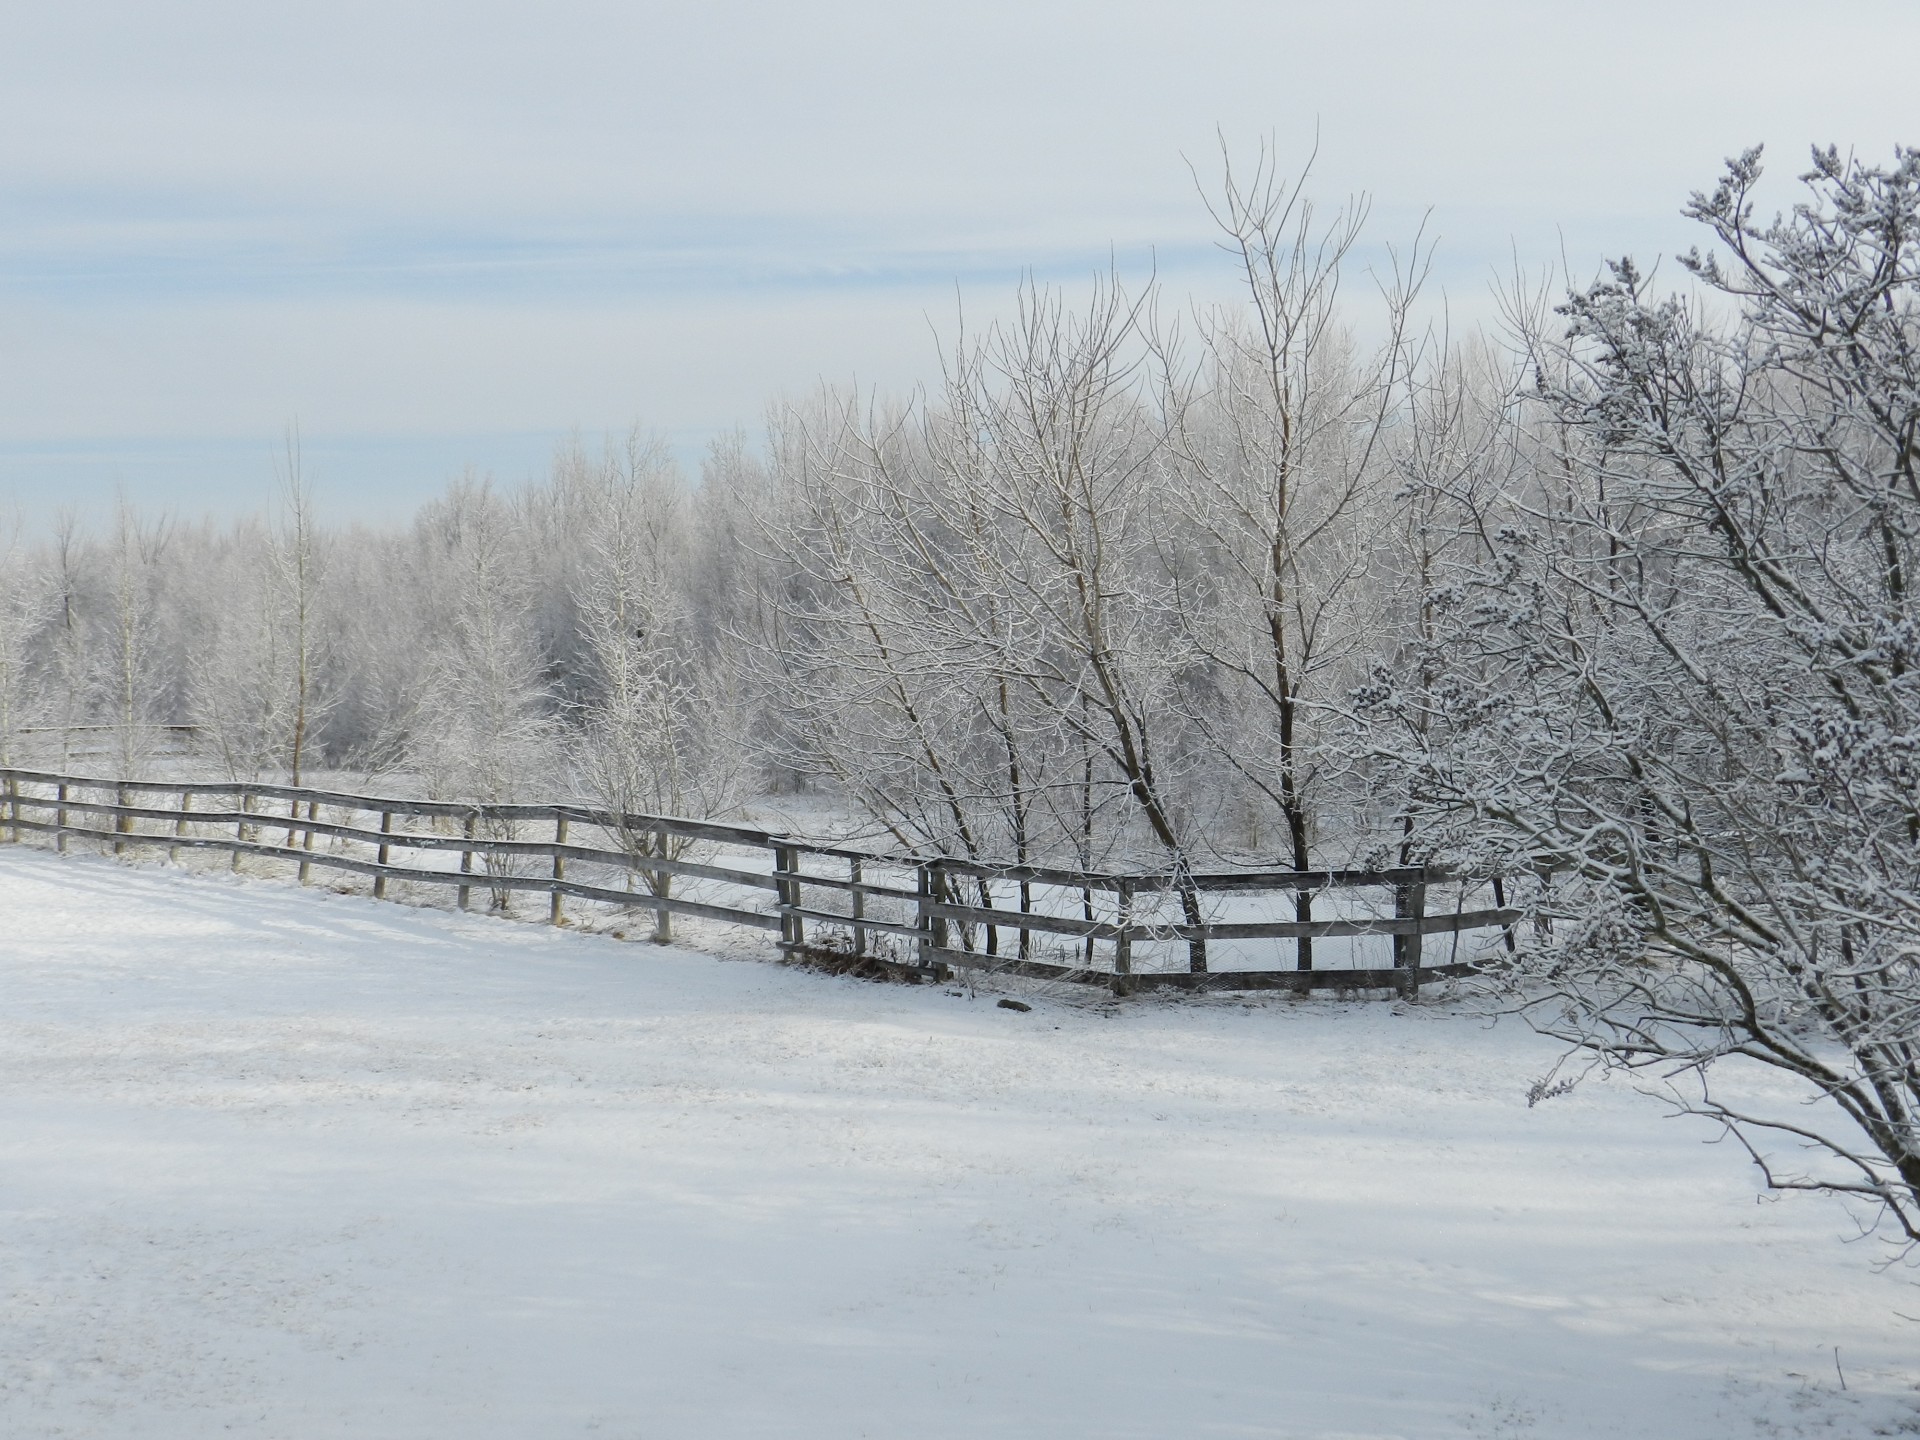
{"x":918,"y":917}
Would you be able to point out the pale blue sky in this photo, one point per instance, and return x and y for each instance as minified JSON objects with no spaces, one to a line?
{"x":443,"y":234}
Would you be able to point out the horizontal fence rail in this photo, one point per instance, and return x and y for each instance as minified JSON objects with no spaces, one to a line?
{"x":916,"y":917}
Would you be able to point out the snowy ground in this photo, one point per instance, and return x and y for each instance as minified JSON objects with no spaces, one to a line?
{"x":281,"y":1163}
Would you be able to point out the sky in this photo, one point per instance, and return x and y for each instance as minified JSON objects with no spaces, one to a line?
{"x":442,"y":237}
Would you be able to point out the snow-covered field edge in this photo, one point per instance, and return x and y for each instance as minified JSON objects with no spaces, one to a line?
{"x":290,"y":1163}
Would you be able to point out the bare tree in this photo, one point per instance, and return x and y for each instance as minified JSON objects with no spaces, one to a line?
{"x":873,"y":703}
{"x":981,"y":636}
{"x":1055,"y":460}
{"x":1280,"y":434}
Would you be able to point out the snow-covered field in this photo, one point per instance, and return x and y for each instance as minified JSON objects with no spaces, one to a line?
{"x":280,"y":1163}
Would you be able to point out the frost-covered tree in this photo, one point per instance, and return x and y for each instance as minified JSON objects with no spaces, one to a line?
{"x":659,"y":732}
{"x":852,"y":636}
{"x":238,"y":700}
{"x":485,"y":730}
{"x":135,"y":684}
{"x":24,"y":610}
{"x":259,"y":661}
{"x":980,"y":642}
{"x":487,"y":733}
{"x":1055,"y":463}
{"x":1683,"y":676}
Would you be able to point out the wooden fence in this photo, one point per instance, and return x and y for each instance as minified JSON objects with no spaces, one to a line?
{"x":915,"y":917}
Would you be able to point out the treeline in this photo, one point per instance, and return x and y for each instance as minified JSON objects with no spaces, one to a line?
{"x":1101,"y":596}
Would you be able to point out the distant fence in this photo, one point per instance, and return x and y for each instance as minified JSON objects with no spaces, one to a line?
{"x":915,"y":917}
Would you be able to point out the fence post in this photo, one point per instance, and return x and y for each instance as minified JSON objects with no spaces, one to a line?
{"x":1123,"y":942}
{"x":858,"y":904}
{"x":1500,"y":902}
{"x":466,"y":861}
{"x":60,"y":817}
{"x":942,"y":895}
{"x":559,"y":868}
{"x":13,"y":794}
{"x":180,"y":824}
{"x":1410,"y":903}
{"x":786,"y":863}
{"x":660,"y":882}
{"x":1086,"y":912}
{"x":380,"y":856}
{"x":240,"y":827}
{"x":306,"y":842}
{"x":922,"y":919}
{"x":121,"y":823}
